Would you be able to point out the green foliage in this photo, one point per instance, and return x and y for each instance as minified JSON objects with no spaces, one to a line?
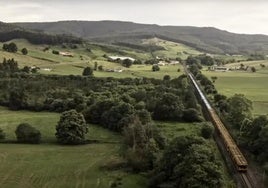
{"x":9,"y":65}
{"x":56,"y":52}
{"x":166,"y":78}
{"x":155,"y":68}
{"x":2,"y":134}
{"x":191,"y":115}
{"x":253,"y":69}
{"x":141,"y":148}
{"x":188,"y":162}
{"x":17,"y":99}
{"x":72,"y":128}
{"x":168,"y":107}
{"x":27,"y":134}
{"x":11,"y":47}
{"x":126,"y":63}
{"x":24,"y":51}
{"x":88,"y":71}
{"x":207,"y":130}
{"x":239,"y":109}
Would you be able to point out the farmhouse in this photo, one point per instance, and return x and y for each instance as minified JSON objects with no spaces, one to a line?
{"x":114,"y":58}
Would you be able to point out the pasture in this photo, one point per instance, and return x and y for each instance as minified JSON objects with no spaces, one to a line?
{"x":254,"y":85}
{"x":50,"y":63}
{"x":51,"y":165}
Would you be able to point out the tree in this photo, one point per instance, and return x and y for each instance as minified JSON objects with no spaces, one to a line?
{"x":24,"y":51}
{"x":253,"y":69}
{"x":188,"y":161}
{"x":191,"y":115}
{"x":207,"y":130}
{"x":155,"y":68}
{"x":95,"y":65}
{"x":127,"y":63}
{"x":239,"y":109}
{"x":11,"y":47}
{"x":142,"y":149}
{"x":88,"y":71}
{"x":72,"y":128}
{"x":17,"y":99}
{"x":100,"y":68}
{"x":2,"y":135}
{"x":27,"y":134}
{"x":55,"y":52}
{"x":166,"y":78}
{"x":168,"y":107}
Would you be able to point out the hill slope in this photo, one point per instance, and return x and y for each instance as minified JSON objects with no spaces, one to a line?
{"x":205,"y":39}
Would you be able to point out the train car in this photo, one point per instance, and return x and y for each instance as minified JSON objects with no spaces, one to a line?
{"x":230,"y":145}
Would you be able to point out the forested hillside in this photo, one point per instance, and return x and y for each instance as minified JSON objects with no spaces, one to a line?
{"x":205,"y":39}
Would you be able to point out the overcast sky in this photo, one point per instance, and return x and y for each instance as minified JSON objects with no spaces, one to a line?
{"x":240,"y":16}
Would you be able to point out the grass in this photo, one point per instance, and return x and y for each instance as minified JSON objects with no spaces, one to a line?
{"x":253,"y":85}
{"x":174,"y":129}
{"x":52,"y":165}
{"x":82,"y":58}
{"x":172,"y":49}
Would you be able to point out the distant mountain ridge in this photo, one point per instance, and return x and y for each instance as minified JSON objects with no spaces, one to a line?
{"x":207,"y":39}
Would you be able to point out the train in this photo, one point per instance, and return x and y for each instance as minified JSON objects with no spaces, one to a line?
{"x":236,"y":155}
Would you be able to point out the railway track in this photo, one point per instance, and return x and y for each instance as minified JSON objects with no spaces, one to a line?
{"x":224,"y":140}
{"x":247,"y":181}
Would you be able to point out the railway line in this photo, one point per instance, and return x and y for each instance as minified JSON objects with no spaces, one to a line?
{"x":224,"y":139}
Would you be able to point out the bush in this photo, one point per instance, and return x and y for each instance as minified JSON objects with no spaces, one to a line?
{"x":24,"y":51}
{"x":207,"y":130}
{"x":2,"y":135}
{"x":27,"y":134}
{"x":55,"y":52}
{"x":88,"y":71}
{"x":155,"y":68}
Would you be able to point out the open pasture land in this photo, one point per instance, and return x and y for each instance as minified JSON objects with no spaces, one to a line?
{"x":253,"y":85}
{"x":172,"y":49}
{"x":50,"y":63}
{"x":52,"y":165}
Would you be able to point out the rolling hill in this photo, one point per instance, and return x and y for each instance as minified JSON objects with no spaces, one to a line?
{"x":206,"y":39}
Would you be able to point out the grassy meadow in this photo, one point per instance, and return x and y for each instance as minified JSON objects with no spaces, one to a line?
{"x":253,"y":85}
{"x":51,"y":165}
{"x":61,"y":65}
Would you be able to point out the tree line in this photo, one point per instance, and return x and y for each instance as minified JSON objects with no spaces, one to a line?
{"x":251,"y":132}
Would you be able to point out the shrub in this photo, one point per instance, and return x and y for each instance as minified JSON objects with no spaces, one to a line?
{"x":27,"y":134}
{"x":207,"y":130}
{"x":2,"y":135}
{"x":24,"y":51}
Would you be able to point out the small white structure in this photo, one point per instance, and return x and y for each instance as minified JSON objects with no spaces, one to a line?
{"x":162,"y":63}
{"x":114,"y":58}
{"x":47,"y":69}
{"x":67,"y":54}
{"x":219,"y":68}
{"x":174,"y":62}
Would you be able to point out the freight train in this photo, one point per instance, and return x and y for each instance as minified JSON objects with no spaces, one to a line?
{"x":236,"y":155}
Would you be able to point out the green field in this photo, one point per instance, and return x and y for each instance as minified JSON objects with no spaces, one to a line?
{"x":53,"y":165}
{"x":61,"y":65}
{"x":253,"y":85}
{"x":175,"y":129}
